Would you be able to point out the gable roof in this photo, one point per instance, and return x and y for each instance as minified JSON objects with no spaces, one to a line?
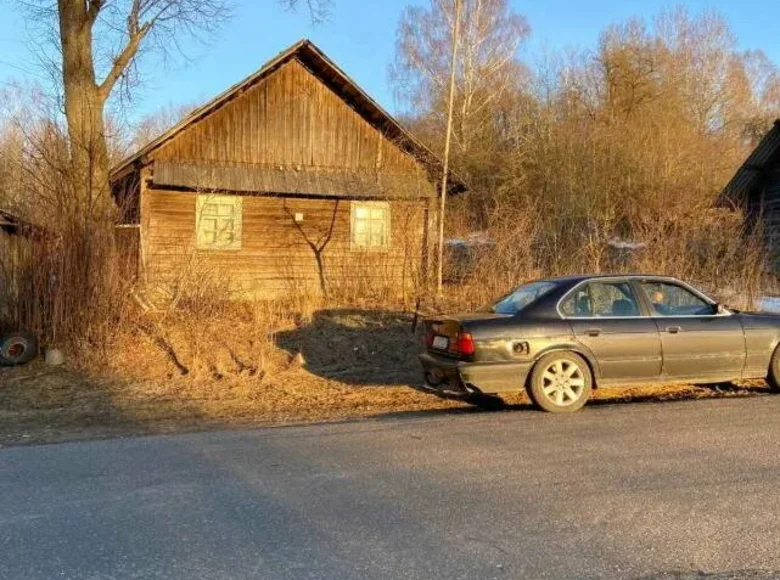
{"x":332,"y":76}
{"x":751,"y":171}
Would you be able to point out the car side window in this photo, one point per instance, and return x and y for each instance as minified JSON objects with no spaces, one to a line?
{"x":578,"y":303}
{"x":613,"y":299}
{"x":601,"y":299}
{"x":668,"y":299}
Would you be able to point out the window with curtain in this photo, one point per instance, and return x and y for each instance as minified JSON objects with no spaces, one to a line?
{"x":370,"y":225}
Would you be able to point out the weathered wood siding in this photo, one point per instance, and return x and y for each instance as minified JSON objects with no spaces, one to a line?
{"x":289,"y":122}
{"x":277,"y":257}
{"x":127,"y":240}
{"x":16,"y":262}
{"x":767,"y":207}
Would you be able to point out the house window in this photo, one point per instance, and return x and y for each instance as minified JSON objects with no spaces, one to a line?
{"x":218,"y":222}
{"x":370,"y":225}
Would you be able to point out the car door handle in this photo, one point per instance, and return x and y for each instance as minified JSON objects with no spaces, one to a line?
{"x":673,"y":329}
{"x":593,"y":331}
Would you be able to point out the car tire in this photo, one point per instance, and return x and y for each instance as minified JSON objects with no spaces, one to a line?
{"x":561,"y":382}
{"x":17,"y":348}
{"x":773,"y":375}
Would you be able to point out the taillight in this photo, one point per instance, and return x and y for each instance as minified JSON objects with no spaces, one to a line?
{"x":465,"y":344}
{"x":429,"y":336}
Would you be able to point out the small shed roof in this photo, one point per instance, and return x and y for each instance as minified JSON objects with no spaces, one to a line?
{"x":336,"y":79}
{"x":751,"y":171}
{"x":10,"y":223}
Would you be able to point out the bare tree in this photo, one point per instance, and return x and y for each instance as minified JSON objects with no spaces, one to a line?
{"x":99,"y":43}
{"x":447,"y":140}
{"x":318,"y":9}
{"x":487,"y":64}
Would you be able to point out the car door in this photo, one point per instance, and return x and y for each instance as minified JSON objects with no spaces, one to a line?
{"x":607,"y":318}
{"x":697,"y":342}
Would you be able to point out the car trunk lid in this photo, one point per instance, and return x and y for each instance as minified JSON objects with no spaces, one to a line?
{"x":449,"y":335}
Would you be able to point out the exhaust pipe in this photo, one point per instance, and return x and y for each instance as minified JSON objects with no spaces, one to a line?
{"x":434,"y":378}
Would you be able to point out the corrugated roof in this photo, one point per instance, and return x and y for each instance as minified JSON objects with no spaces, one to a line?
{"x":752,"y":169}
{"x":327,"y":71}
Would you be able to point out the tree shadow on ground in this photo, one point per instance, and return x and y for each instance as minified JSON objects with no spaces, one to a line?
{"x":358,"y":347}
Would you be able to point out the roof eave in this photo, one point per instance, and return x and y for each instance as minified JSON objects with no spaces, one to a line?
{"x":744,"y":180}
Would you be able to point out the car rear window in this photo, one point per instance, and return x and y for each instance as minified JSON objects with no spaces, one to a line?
{"x":521,"y":297}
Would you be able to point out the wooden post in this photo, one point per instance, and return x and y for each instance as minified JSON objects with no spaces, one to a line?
{"x":144,"y":175}
{"x":447,"y":139}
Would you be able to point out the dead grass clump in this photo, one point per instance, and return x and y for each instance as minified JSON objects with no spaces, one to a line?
{"x":227,"y":340}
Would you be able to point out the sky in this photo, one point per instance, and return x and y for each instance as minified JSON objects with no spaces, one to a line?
{"x":359,"y":35}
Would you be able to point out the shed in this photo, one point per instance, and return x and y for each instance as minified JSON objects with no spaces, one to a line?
{"x":756,"y":187}
{"x":292,"y":180}
{"x":20,"y":242}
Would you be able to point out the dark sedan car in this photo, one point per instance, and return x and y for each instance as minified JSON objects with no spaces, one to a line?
{"x":559,"y":338}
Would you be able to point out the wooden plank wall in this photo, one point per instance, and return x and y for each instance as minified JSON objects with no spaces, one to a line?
{"x":15,"y":261}
{"x":277,"y":257}
{"x":771,"y":213}
{"x":128,"y":245}
{"x":292,"y":121}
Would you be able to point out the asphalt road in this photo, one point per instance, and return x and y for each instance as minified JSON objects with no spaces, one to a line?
{"x":675,"y":490}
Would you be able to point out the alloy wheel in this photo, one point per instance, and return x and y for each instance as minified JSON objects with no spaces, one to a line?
{"x":563,"y":382}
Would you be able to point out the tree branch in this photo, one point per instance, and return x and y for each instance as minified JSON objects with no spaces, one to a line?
{"x":93,"y":9}
{"x":122,"y":61}
{"x":318,"y":9}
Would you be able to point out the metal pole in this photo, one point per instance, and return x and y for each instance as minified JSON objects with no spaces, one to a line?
{"x":447,"y":138}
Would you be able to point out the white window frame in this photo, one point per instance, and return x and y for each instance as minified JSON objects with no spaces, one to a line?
{"x":356,"y":206}
{"x":216,"y":206}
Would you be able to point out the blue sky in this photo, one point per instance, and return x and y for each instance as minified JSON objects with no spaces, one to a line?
{"x":360,"y":35}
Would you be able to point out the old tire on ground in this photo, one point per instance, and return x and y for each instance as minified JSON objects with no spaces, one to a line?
{"x":560,"y":382}
{"x":17,"y":348}
{"x":773,"y":374}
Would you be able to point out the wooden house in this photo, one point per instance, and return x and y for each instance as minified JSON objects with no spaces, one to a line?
{"x":292,"y":180}
{"x":756,"y":188}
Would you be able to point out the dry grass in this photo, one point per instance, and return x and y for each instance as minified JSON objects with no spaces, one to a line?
{"x":356,"y":364}
{"x":40,"y":404}
{"x":181,"y":371}
{"x":58,"y":405}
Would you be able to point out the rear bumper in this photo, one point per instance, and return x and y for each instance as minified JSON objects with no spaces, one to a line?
{"x":460,"y":378}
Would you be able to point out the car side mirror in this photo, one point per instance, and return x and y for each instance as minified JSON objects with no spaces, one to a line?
{"x":720,"y":309}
